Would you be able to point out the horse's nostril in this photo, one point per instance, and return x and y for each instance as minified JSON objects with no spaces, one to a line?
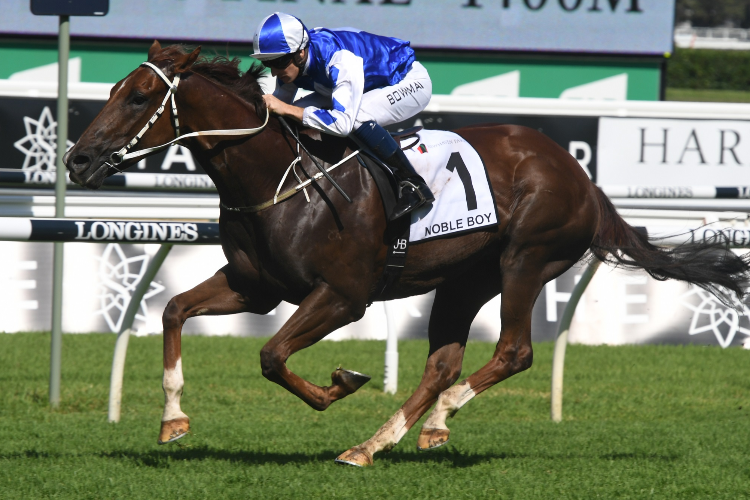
{"x":80,"y":160}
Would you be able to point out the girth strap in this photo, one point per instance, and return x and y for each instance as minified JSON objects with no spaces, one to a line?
{"x":395,"y":260}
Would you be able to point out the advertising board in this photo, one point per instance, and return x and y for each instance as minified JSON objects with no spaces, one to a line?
{"x":29,"y":135}
{"x":673,"y":152}
{"x":617,"y":308}
{"x":614,"y":151}
{"x":507,"y":75}
{"x":593,"y":26}
{"x":28,"y":143}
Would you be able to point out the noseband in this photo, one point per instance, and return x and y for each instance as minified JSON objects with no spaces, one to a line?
{"x":123,"y":154}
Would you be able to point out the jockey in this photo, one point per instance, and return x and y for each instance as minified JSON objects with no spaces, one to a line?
{"x":360,"y":82}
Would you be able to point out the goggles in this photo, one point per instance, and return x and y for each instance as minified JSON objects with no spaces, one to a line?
{"x":279,"y":63}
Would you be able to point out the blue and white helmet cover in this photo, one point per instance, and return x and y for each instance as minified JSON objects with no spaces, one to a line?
{"x":277,"y":35}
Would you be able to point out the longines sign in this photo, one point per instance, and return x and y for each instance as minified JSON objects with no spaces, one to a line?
{"x":105,"y":231}
{"x":601,"y":26}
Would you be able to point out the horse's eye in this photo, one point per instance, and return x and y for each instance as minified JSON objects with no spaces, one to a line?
{"x":139,"y":99}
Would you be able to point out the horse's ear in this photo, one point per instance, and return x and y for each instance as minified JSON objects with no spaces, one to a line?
{"x":155,"y":48}
{"x":184,"y":65}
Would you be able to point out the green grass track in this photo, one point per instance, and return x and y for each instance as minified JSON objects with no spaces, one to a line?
{"x":639,"y":422}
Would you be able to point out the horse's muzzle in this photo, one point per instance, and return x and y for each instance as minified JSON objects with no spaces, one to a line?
{"x":77,"y":164}
{"x":83,"y":170}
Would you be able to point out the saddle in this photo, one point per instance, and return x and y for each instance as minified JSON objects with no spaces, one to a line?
{"x":331,"y":149}
{"x":382,"y":173}
{"x":406,"y":134}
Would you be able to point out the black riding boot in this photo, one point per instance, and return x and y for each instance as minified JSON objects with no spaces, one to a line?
{"x":412,"y":189}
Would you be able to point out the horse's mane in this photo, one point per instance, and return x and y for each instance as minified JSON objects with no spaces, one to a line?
{"x":225,"y":72}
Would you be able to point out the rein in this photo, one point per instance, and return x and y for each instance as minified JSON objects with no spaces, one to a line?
{"x":289,"y":193}
{"x":124,"y":154}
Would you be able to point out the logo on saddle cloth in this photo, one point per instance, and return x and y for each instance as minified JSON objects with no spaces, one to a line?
{"x":456,"y":175}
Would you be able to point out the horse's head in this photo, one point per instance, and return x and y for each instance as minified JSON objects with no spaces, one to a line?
{"x":133,"y":101}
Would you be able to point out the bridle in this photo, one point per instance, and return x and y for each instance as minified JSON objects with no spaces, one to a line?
{"x":123,"y":154}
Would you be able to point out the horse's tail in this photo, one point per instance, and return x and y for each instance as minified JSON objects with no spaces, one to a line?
{"x":711,"y":266}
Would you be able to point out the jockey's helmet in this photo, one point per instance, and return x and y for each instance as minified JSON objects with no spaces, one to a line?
{"x":278,"y":35}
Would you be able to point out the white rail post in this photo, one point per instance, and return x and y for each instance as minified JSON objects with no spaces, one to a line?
{"x":561,"y":342}
{"x":55,"y":368}
{"x":390,"y":376}
{"x":121,"y":345}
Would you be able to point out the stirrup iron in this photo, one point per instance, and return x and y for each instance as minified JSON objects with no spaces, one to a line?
{"x":407,"y":183}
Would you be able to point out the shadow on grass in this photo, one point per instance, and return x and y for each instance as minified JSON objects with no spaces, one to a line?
{"x":446,"y":456}
{"x":165,"y":458}
{"x":460,"y":459}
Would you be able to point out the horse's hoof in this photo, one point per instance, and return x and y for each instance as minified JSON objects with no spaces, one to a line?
{"x":432,"y":438}
{"x":358,"y":457}
{"x":349,"y":380}
{"x":172,"y":430}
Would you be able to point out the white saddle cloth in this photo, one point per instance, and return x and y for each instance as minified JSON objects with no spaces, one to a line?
{"x":456,"y":175}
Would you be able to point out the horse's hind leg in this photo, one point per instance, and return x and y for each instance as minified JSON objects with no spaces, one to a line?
{"x":214,"y":296}
{"x":513,"y":354}
{"x":456,"y":304}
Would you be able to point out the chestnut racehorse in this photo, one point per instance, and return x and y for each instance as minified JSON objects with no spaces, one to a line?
{"x":327,"y":255}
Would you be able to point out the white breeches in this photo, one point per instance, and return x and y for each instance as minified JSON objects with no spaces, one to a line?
{"x":387,"y":105}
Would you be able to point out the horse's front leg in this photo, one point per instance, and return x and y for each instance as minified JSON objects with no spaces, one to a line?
{"x":320,"y":313}
{"x":215,"y":296}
